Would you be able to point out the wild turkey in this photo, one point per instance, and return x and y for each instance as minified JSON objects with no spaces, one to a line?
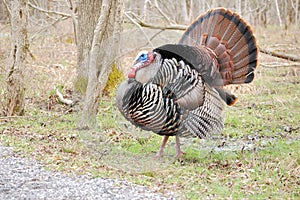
{"x":176,"y":89}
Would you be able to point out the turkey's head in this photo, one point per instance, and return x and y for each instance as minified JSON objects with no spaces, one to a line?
{"x":145,"y":66}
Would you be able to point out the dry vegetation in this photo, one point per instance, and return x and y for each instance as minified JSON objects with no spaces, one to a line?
{"x":257,"y":157}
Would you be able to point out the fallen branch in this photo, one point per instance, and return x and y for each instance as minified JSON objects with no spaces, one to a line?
{"x":62,"y":99}
{"x":278,"y":64}
{"x":280,"y":55}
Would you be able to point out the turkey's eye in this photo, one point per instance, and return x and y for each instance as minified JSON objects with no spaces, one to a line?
{"x":141,"y":57}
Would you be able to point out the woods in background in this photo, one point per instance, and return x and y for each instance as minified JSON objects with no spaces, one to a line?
{"x":83,"y":24}
{"x":281,"y":12}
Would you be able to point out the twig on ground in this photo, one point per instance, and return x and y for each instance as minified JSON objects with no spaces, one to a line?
{"x":62,"y":99}
{"x":14,"y":117}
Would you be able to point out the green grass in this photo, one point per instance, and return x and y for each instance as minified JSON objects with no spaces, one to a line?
{"x":261,"y":159}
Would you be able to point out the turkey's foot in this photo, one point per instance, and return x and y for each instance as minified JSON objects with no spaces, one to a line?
{"x":161,"y":149}
{"x":179,"y":153}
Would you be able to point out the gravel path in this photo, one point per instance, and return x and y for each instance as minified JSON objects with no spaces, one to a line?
{"x":21,"y":178}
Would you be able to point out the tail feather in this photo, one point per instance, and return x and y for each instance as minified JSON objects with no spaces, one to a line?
{"x":227,"y":27}
{"x":210,"y":24}
{"x":232,"y":41}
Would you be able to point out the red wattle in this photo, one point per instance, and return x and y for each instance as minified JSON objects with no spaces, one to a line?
{"x":131,"y":74}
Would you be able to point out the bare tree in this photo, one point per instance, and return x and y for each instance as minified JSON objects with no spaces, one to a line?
{"x":15,"y":93}
{"x":101,"y":37}
{"x":254,"y":11}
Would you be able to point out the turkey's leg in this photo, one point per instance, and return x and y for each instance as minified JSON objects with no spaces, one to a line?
{"x":161,"y":149}
{"x":178,"y":150}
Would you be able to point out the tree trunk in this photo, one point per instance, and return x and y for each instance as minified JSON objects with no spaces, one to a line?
{"x":15,"y":94}
{"x":88,"y":14}
{"x":99,"y":58}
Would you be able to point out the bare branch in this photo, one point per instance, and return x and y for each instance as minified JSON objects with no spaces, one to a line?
{"x":48,"y":11}
{"x":137,"y":20}
{"x":46,"y":27}
{"x":140,"y":27}
{"x":7,"y":7}
{"x":75,"y":23}
{"x":162,"y":13}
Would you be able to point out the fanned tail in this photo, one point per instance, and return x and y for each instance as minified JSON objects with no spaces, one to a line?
{"x":231,"y":41}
